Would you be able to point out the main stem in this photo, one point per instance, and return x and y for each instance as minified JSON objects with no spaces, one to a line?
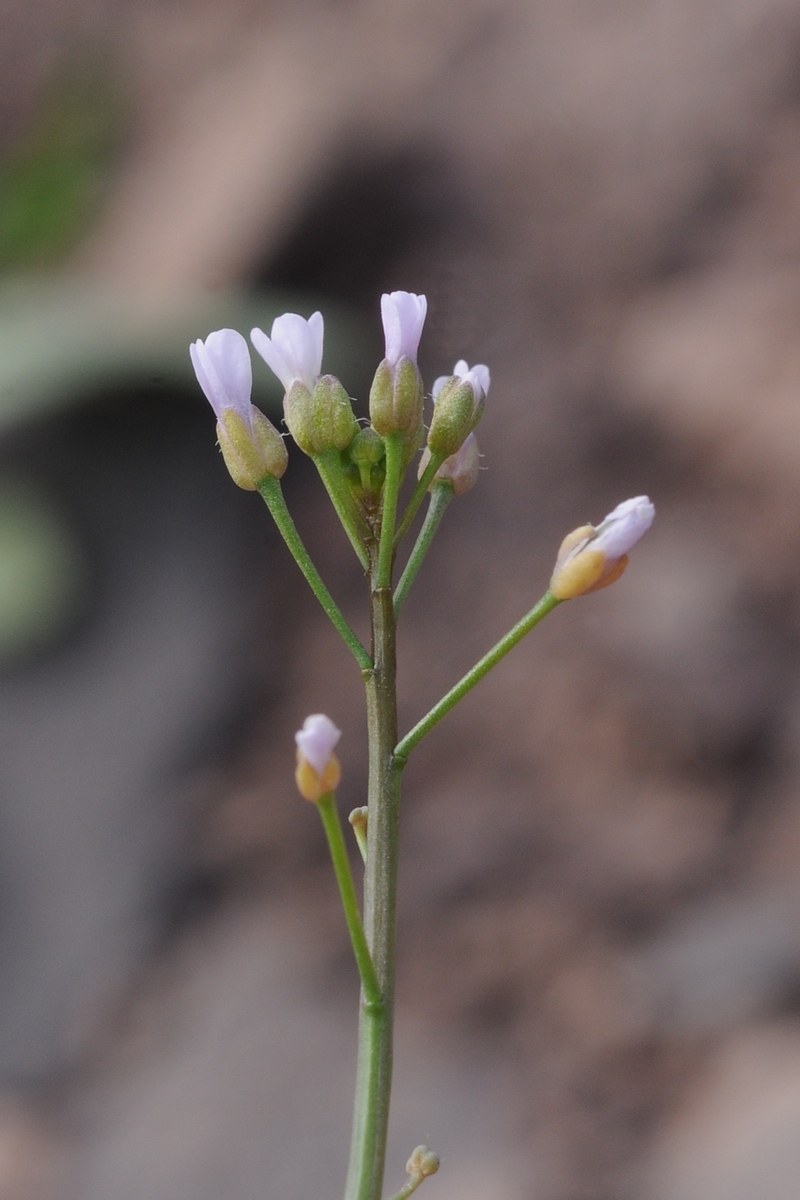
{"x":374,"y":1072}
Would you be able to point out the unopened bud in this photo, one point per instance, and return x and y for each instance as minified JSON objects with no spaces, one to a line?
{"x":318,"y":770}
{"x":458,"y":404}
{"x":321,"y":419}
{"x":592,"y":557}
{"x":460,"y":469}
{"x":422,"y":1163}
{"x":251,"y":449}
{"x":358,"y":819}
{"x":366,"y":453}
{"x":395,"y":399}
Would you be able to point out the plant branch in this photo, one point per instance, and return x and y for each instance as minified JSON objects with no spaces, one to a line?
{"x":441,"y":496}
{"x":329,"y":467}
{"x":341,"y":866}
{"x":546,"y":605}
{"x":271,"y":493}
{"x":417,"y":496}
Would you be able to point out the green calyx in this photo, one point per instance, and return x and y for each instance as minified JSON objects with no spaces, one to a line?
{"x":251,"y":452}
{"x":455,"y":415}
{"x":320,"y":420}
{"x":395,"y":400}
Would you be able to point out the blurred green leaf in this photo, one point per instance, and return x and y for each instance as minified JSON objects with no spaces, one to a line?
{"x":42,"y":572}
{"x":52,"y":180}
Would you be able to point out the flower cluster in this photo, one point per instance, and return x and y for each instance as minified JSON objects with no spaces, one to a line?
{"x":317,"y":410}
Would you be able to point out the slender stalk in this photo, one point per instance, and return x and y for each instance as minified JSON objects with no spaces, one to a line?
{"x":417,"y":496}
{"x":546,"y":605}
{"x":391,"y":488}
{"x":409,"y":1189}
{"x":270,"y":491}
{"x":329,"y":468}
{"x":441,"y":496}
{"x":341,"y":866}
{"x":374,"y":1072}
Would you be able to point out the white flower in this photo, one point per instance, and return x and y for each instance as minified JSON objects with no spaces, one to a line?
{"x":623,"y":527}
{"x":317,"y":740}
{"x":224,"y":371}
{"x":592,"y":557}
{"x":477,"y":377}
{"x":294,"y":352}
{"x":403,"y":315}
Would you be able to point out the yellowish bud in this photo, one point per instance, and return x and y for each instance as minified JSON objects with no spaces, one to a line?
{"x":580,"y":568}
{"x":312,"y":786}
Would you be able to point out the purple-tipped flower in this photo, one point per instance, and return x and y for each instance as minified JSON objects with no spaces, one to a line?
{"x":459,"y":401}
{"x":403,"y":315}
{"x":317,"y":408}
{"x":224,"y":371}
{"x":395,"y":398}
{"x":477,"y":377}
{"x":622,"y":528}
{"x":251,"y":446}
{"x":318,"y":769}
{"x":592,"y":557}
{"x":294,"y":352}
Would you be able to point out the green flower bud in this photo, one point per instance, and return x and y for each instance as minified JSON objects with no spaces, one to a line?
{"x":251,"y":451}
{"x":365,"y":456}
{"x":458,"y":407}
{"x":395,"y":399}
{"x":321,"y":419}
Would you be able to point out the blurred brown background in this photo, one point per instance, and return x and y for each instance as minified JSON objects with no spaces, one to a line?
{"x":599,"y":941}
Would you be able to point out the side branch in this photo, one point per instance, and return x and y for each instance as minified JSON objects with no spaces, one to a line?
{"x":546,"y":605}
{"x":271,"y":493}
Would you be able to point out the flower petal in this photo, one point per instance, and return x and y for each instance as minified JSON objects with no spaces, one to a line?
{"x":224,"y":371}
{"x":317,"y":740}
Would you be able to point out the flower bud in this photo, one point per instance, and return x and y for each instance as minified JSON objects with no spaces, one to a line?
{"x":458,"y":406}
{"x":592,"y":557}
{"x":460,"y":469}
{"x":395,"y":399}
{"x":251,"y":446}
{"x":396,"y":395}
{"x":422,"y":1163}
{"x":318,"y":771}
{"x":321,"y":419}
{"x":365,"y":454}
{"x":251,"y":452}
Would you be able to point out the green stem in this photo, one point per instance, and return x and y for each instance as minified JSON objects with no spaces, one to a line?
{"x":391,"y":489}
{"x":341,"y":866}
{"x":374,"y":1072}
{"x":546,"y":605}
{"x":441,"y":496}
{"x":410,"y":1187}
{"x":270,"y":491}
{"x":417,"y":496}
{"x":330,"y":472}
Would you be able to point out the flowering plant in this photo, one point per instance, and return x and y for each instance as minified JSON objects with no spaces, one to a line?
{"x":363,"y":469}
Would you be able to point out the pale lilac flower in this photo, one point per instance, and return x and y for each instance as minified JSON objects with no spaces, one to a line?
{"x":317,"y":740}
{"x":294,"y":352}
{"x":477,"y":377}
{"x":622,"y":528}
{"x":224,"y":371}
{"x":403,"y":315}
